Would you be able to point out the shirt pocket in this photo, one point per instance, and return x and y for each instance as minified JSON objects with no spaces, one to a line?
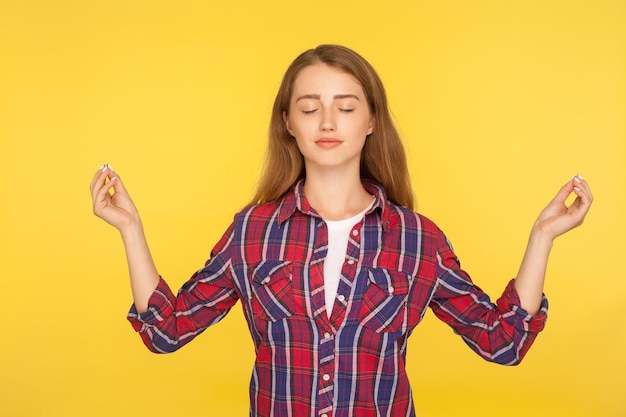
{"x":384,"y":303}
{"x":272,"y":297}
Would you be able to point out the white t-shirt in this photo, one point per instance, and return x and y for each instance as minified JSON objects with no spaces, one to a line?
{"x":338,"y":235}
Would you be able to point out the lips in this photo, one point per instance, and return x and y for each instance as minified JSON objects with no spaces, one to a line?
{"x":327,"y":142}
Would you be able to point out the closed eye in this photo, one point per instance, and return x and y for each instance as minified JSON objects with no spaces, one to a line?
{"x":309,"y":111}
{"x":346,"y":110}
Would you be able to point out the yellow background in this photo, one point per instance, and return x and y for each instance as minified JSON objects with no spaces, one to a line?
{"x":500,"y":103}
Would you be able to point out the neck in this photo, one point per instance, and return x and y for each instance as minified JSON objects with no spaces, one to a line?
{"x":336,"y":197}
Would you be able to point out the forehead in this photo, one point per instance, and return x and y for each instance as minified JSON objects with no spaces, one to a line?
{"x":322,"y":78}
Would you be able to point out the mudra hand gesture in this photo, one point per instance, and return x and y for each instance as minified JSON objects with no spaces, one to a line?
{"x":558,"y":218}
{"x":115,"y":208}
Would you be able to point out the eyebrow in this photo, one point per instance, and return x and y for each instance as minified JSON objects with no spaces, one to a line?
{"x":335,"y":97}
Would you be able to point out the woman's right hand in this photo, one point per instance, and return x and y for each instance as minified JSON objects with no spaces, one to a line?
{"x":115,"y":208}
{"x":119,"y":210}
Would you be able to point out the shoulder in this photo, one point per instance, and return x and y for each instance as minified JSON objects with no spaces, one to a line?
{"x":258,"y":212}
{"x":249,"y":227}
{"x":400,"y":216}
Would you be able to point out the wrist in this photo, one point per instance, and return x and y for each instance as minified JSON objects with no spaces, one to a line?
{"x":540,"y":238}
{"x":132,"y":231}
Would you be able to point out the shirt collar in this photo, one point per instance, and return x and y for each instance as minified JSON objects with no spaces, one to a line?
{"x":296,"y":200}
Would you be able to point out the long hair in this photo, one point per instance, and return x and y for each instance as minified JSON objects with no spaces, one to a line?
{"x":382,"y":159}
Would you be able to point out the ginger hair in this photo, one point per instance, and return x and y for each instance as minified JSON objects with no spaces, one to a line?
{"x":383,"y":159}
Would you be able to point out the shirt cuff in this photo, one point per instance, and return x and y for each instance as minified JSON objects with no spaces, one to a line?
{"x":160,"y":306}
{"x":510,"y":302}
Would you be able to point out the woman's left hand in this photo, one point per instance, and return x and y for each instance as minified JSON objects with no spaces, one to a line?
{"x":558,"y":218}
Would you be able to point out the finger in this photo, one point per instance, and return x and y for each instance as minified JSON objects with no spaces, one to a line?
{"x":102,"y":193}
{"x":579,"y":208}
{"x":100,"y":184}
{"x":117,"y":184}
{"x":98,"y":179}
{"x":564,"y":192}
{"x":583,"y":199}
{"x":581,"y":183}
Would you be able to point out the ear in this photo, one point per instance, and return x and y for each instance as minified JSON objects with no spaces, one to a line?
{"x":287,"y":124}
{"x":371,"y":126}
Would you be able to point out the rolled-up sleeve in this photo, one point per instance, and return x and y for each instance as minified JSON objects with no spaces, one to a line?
{"x":500,"y":332}
{"x":171,"y":321}
{"x":160,"y":306}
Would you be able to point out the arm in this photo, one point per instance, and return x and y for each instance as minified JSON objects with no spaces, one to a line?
{"x":118,"y":210}
{"x":554,"y":220}
{"x":503,"y":332}
{"x":164,"y":321}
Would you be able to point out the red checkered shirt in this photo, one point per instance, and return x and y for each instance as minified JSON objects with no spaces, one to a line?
{"x":397,"y":264}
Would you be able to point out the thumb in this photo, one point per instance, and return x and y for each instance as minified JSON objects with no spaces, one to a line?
{"x":565,"y":191}
{"x":115,"y":182}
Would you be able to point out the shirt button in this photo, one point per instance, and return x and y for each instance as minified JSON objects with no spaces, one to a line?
{"x":355,"y":232}
{"x":324,"y":415}
{"x":326,"y":377}
{"x":350,"y":261}
{"x":265,"y":280}
{"x":391,"y":290}
{"x":341,"y":298}
{"x":326,"y":335}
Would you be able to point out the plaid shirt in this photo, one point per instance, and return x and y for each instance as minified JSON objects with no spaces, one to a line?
{"x":397,"y":264}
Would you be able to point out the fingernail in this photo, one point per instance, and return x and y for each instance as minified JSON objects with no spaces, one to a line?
{"x":110,"y":167}
{"x":103,"y":168}
{"x":576,"y":188}
{"x":580,"y":176}
{"x":577,"y":179}
{"x":113,"y":179}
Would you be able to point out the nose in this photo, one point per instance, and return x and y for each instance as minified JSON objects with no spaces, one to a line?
{"x":328,"y":121}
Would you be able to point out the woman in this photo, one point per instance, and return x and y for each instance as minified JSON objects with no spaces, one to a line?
{"x":333,"y":268}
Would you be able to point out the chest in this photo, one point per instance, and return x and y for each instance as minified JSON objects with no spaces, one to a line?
{"x":385,"y":283}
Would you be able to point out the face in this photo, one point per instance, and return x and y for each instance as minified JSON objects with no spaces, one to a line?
{"x":329,"y":117}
